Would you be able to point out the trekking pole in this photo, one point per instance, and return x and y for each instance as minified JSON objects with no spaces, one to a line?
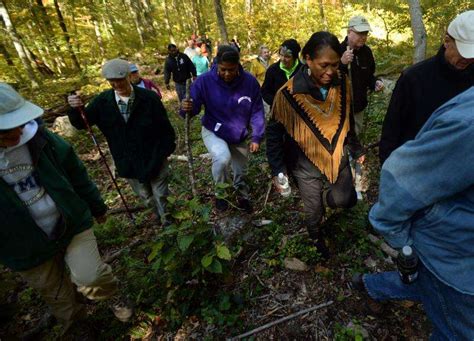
{"x":104,"y":161}
{"x":349,"y":69}
{"x":187,"y":128}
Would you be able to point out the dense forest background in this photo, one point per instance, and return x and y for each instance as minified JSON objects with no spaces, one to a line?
{"x":207,"y":276}
{"x":44,"y":39}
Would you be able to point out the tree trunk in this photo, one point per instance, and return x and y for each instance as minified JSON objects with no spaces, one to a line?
{"x":323,"y":15}
{"x":49,"y":34}
{"x":148,"y":16}
{"x":67,"y":38}
{"x":138,"y":24}
{"x":8,"y":58}
{"x":221,"y":22}
{"x":198,"y":23}
{"x":167,"y":22}
{"x":17,"y":43}
{"x":98,"y":35}
{"x":419,"y":32}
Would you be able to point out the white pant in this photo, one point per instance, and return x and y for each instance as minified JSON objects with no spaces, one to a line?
{"x":223,"y":155}
{"x":93,"y":278}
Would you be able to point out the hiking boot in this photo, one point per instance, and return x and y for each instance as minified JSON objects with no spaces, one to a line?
{"x":371,"y":305}
{"x":45,"y":323}
{"x":318,"y":241}
{"x":245,"y":205}
{"x":122,"y":308}
{"x":221,"y":205}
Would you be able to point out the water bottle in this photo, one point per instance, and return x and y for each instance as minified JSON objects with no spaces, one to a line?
{"x":407,"y":263}
{"x":284,"y":185}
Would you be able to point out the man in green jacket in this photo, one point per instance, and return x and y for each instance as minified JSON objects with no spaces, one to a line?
{"x":47,"y":205}
{"x":137,"y":129}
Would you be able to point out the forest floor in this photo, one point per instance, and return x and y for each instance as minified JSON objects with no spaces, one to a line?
{"x":260,"y":286}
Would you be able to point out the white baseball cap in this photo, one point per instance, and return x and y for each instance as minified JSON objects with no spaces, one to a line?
{"x":14,"y":110}
{"x":462,"y":30}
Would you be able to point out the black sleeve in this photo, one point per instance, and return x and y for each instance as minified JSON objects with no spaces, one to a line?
{"x":267,"y":93}
{"x":167,"y":71}
{"x":352,"y":141}
{"x":91,"y":111}
{"x":392,"y":124}
{"x":192,"y":67}
{"x":275,"y":136}
{"x":165,"y":130}
{"x":372,"y":78}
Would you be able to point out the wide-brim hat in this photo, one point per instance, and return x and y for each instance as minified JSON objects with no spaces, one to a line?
{"x":359,"y":24}
{"x":14,"y":109}
{"x":462,"y":30}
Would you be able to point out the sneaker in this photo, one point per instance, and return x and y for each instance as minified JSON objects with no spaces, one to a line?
{"x":245,"y":205}
{"x":221,"y":205}
{"x":122,"y":308}
{"x":371,"y":305}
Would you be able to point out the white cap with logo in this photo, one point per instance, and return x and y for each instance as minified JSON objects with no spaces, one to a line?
{"x":359,"y":24}
{"x":462,"y":30}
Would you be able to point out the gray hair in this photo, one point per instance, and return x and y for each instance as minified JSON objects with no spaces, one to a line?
{"x":261,"y":48}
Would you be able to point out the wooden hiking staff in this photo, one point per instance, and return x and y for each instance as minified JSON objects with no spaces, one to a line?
{"x":189,"y":152}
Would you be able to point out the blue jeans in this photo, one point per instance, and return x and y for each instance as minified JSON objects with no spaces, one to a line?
{"x":450,"y":311}
{"x":180,"y":90}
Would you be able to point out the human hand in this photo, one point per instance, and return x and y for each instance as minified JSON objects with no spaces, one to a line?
{"x":187,"y":105}
{"x":361,"y":159}
{"x":347,"y":56}
{"x":254,"y":147}
{"x":379,"y":85}
{"x":101,"y":219}
{"x":75,"y":101}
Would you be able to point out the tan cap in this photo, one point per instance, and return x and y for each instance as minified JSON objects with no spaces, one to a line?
{"x":359,"y":24}
{"x":115,"y":69}
{"x":462,"y":30}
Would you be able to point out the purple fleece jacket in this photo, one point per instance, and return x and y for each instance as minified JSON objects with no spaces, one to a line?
{"x":229,"y":108}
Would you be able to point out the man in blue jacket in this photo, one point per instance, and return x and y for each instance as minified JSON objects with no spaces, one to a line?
{"x":426,"y":200}
{"x":232,"y":104}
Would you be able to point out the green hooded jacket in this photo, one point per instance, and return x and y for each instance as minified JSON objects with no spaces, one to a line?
{"x":23,"y":244}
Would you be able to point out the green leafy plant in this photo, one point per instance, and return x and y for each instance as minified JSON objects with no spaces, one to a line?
{"x":191,"y":261}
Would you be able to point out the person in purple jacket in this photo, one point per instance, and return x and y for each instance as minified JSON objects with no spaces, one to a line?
{"x":232,"y":104}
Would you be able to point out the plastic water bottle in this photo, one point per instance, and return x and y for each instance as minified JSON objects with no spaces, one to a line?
{"x":407,"y":263}
{"x":284,"y":185}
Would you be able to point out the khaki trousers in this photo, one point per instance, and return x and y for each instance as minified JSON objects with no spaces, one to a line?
{"x":93,"y":278}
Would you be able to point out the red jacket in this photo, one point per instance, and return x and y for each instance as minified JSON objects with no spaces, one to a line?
{"x":151,"y":86}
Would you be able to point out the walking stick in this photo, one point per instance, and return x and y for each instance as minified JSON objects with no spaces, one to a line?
{"x":187,"y":126}
{"x":349,"y":69}
{"x":104,"y":161}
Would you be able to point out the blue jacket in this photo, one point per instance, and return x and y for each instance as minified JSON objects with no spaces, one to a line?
{"x":427,"y":194}
{"x":230,"y":108}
